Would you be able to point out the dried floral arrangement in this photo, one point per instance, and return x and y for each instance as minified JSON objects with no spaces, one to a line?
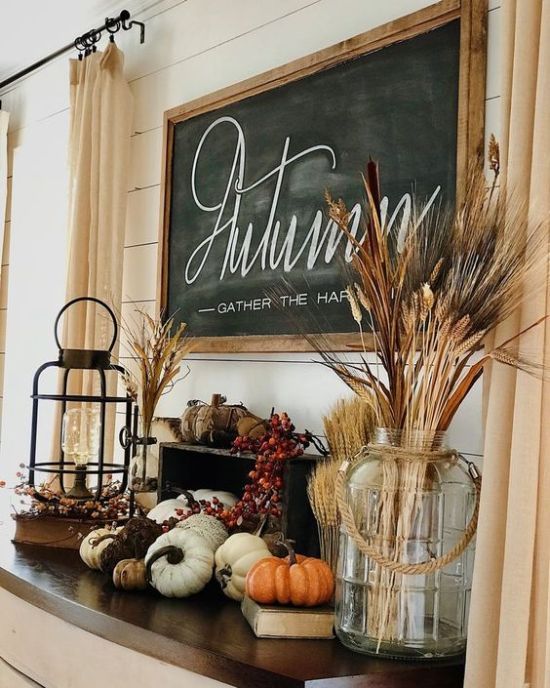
{"x":158,"y":349}
{"x":430,"y":303}
{"x":348,"y":427}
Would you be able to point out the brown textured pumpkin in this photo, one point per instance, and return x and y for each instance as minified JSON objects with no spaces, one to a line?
{"x":130,"y":574}
{"x":132,"y":541}
{"x":214,"y":424}
{"x":296,"y":580}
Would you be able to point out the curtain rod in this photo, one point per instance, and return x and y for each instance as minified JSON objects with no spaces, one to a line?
{"x":85,"y":43}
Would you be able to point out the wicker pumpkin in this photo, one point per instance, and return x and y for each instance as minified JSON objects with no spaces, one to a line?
{"x":208,"y":527}
{"x":214,"y":425}
{"x":252,"y":426}
{"x":296,"y":580}
{"x":130,"y":574}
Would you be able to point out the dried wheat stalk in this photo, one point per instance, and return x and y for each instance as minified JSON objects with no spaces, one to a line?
{"x":432,"y":303}
{"x":320,"y":490}
{"x":158,"y":353}
{"x":348,"y":427}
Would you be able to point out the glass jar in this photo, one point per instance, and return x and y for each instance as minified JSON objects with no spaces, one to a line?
{"x":144,"y":466}
{"x":409,"y":511}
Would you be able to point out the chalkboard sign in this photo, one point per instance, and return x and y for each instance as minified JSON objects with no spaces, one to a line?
{"x":246,"y":171}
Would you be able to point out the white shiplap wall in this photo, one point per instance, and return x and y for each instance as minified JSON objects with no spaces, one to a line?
{"x":193,"y":47}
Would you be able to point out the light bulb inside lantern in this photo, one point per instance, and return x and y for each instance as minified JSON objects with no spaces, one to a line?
{"x":81,"y":435}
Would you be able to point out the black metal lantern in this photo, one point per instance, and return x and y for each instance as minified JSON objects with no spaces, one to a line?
{"x":99,"y":363}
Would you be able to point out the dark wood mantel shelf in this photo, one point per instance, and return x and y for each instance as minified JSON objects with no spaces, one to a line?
{"x":205,"y":634}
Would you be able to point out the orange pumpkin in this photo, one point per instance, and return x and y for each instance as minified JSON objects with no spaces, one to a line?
{"x":296,"y":580}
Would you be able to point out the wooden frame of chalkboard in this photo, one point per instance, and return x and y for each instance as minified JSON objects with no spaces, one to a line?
{"x":241,"y":330}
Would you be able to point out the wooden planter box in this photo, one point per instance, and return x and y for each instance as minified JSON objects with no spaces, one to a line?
{"x":53,"y":531}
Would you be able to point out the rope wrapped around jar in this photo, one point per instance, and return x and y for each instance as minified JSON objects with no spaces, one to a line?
{"x":410,"y":454}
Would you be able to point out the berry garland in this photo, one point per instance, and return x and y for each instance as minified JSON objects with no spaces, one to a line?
{"x":44,"y":501}
{"x":261,"y":498}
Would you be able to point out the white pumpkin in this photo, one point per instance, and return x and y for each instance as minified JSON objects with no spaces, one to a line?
{"x":235,"y":558}
{"x":93,"y":544}
{"x":167,"y":509}
{"x":208,"y":527}
{"x":179,"y":563}
{"x":228,"y":499}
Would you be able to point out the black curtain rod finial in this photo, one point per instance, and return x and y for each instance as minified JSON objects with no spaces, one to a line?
{"x":112,"y":25}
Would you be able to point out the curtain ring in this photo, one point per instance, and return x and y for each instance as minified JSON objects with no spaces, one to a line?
{"x":78,"y":44}
{"x":112,"y":25}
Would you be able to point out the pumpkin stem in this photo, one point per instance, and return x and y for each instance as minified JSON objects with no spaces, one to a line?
{"x":287,"y":544}
{"x":173,"y":556}
{"x":101,"y":538}
{"x":223,"y":575}
{"x":190,"y":499}
{"x":260,"y":526}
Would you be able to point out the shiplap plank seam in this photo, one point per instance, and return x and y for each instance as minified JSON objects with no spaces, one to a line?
{"x":144,"y":188}
{"x":143,"y":243}
{"x":135,"y":301}
{"x":198,"y":53}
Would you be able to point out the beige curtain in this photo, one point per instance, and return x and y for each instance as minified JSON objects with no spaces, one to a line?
{"x":509,"y":632}
{"x":99,"y":152}
{"x":4,"y":120}
{"x":101,"y":120}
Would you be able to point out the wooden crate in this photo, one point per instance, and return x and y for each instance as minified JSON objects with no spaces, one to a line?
{"x":193,"y":467}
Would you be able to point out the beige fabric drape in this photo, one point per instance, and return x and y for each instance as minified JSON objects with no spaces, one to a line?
{"x":99,"y":153}
{"x":4,"y":120}
{"x":509,"y":631}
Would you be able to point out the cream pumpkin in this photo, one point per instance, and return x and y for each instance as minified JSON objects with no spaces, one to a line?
{"x":179,"y":563}
{"x":235,"y":558}
{"x":94,"y":543}
{"x":169,"y":508}
{"x":228,"y":499}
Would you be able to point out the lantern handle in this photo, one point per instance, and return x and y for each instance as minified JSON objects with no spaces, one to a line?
{"x":94,"y":300}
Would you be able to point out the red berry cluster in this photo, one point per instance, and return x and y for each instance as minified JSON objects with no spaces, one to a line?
{"x":204,"y":506}
{"x":262,"y":496}
{"x":211,"y":507}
